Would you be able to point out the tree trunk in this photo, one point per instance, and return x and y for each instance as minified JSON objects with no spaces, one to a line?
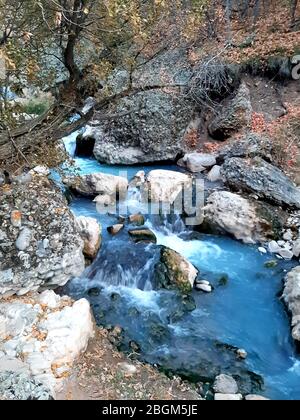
{"x":69,"y":59}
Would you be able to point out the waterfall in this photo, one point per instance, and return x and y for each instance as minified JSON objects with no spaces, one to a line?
{"x":70,"y":143}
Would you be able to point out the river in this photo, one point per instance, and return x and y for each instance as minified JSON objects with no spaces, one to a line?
{"x":243,"y":311}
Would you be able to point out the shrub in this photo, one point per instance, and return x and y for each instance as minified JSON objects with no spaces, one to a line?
{"x":212,"y":81}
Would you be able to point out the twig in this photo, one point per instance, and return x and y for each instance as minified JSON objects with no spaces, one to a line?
{"x":16,"y":147}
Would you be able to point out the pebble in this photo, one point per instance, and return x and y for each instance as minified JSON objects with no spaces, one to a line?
{"x":207,"y":288}
{"x":24,"y":239}
{"x":16,"y":218}
{"x":127,"y":368}
{"x":242,"y":354}
{"x":262,"y":250}
{"x":115,"y":229}
{"x":228,"y":397}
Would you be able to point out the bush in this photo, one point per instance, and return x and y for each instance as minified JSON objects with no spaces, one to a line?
{"x":212,"y":81}
{"x":36,"y":107}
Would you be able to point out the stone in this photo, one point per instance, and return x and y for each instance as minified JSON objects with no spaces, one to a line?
{"x":246,"y":220}
{"x":152,"y":125}
{"x":90,"y":232}
{"x":173,"y":271}
{"x":225,"y":384}
{"x":165,"y":186}
{"x":286,"y":254}
{"x":115,"y":229}
{"x":24,"y":239}
{"x":104,"y":202}
{"x":203,"y":287}
{"x":137,"y":219}
{"x":253,"y":397}
{"x":291,"y":297}
{"x":127,"y":368}
{"x":198,"y":162}
{"x":11,"y":364}
{"x":22,"y":386}
{"x":16,"y":218}
{"x":273,"y":247}
{"x":138,"y":180}
{"x":248,"y":146}
{"x":242,"y":354}
{"x":296,"y":248}
{"x":288,"y":235}
{"x":46,"y":251}
{"x":98,"y":184}
{"x":228,"y":397}
{"x":214,"y":174}
{"x":40,"y":170}
{"x":48,"y":333}
{"x":234,"y":116}
{"x":142,"y":235}
{"x":263,"y":179}
{"x":262,"y":250}
{"x":49,"y":298}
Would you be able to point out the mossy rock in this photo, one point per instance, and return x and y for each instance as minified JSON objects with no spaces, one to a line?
{"x":174,"y":272}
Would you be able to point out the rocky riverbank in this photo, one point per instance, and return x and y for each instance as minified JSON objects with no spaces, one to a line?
{"x":43,"y":246}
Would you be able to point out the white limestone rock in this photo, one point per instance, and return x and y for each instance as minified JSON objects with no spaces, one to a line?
{"x":225,"y":384}
{"x":98,"y":184}
{"x":198,"y":162}
{"x":214,"y":174}
{"x":242,"y":218}
{"x":228,"y":397}
{"x":291,"y":296}
{"x":90,"y":232}
{"x":42,"y":335}
{"x":165,"y":186}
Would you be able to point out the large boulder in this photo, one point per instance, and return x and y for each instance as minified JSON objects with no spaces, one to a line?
{"x":174,"y":272}
{"x":42,"y":335}
{"x":234,"y":116}
{"x":250,"y":145}
{"x":165,"y":186}
{"x":152,"y":124}
{"x":90,"y":231}
{"x":291,"y":296}
{"x":263,"y":179}
{"x":39,"y":242}
{"x":247,"y":220}
{"x":97,"y":184}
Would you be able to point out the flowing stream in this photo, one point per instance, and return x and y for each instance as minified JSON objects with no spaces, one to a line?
{"x":243,"y":311}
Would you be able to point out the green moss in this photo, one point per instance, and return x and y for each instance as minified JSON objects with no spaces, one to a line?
{"x":35,"y":107}
{"x":271,"y":264}
{"x":223,"y":280}
{"x":271,"y":221}
{"x":169,"y":274}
